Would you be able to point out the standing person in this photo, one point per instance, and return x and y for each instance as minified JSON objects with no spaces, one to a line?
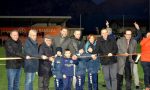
{"x":62,"y":40}
{"x":76,"y":46}
{"x":68,"y":69}
{"x":93,"y":65}
{"x":107,"y":46}
{"x":135,"y":65}
{"x":46,"y":51}
{"x":110,"y":33}
{"x":126,"y":45}
{"x":57,"y":69}
{"x":145,"y":60}
{"x":13,"y":47}
{"x":31,"y":65}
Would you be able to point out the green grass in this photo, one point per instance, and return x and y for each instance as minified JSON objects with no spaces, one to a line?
{"x":3,"y":77}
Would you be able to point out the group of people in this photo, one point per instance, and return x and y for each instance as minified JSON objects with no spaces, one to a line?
{"x":68,"y":59}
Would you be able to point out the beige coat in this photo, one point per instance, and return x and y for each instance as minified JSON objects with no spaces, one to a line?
{"x":122,"y":48}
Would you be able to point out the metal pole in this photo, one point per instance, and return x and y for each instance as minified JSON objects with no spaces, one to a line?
{"x":80,"y":21}
{"x":123,"y":22}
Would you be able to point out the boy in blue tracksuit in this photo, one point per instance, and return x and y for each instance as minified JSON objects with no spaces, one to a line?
{"x":68,"y":69}
{"x":80,"y":73}
{"x":57,"y":69}
{"x":93,"y":66}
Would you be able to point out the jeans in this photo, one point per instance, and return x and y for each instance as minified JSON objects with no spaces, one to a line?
{"x":29,"y":81}
{"x":146,"y":69}
{"x":110,"y":76}
{"x":13,"y":76}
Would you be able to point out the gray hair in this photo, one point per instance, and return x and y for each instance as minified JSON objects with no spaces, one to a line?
{"x":32,"y":31}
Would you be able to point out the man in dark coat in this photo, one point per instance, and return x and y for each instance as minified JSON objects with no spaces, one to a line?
{"x":31,"y":65}
{"x":62,"y":40}
{"x":13,"y":47}
{"x":108,"y":47}
{"x":45,"y":51}
{"x":76,"y":46}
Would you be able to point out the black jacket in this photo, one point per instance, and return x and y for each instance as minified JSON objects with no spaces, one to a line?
{"x":104,"y":47}
{"x":75,"y":45}
{"x":45,"y":65}
{"x":13,"y":49}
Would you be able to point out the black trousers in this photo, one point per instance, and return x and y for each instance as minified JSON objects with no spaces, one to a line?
{"x":128,"y":77}
{"x":43,"y":82}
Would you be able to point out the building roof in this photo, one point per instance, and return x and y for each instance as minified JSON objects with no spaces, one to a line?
{"x":31,"y":20}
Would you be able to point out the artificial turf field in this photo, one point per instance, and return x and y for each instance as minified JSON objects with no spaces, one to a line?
{"x":3,"y":77}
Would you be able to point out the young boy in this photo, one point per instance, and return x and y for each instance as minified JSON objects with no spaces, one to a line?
{"x":68,"y":69}
{"x":57,"y":69}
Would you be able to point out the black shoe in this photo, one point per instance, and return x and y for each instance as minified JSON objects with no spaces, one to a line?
{"x":104,"y":85}
{"x":137,"y":87}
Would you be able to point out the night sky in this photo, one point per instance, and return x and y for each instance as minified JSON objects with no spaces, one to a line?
{"x":94,"y":12}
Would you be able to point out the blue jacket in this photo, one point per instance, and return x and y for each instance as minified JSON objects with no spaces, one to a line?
{"x":57,"y":67}
{"x":31,"y":49}
{"x":81,"y":66}
{"x":68,"y":66}
{"x":92,"y":65}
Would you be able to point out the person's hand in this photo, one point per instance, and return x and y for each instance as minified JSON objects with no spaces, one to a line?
{"x":90,"y":50}
{"x":44,"y":57}
{"x":132,"y":61}
{"x":28,"y":57}
{"x":51,"y":58}
{"x":81,"y":51}
{"x":74,"y":57}
{"x":126,"y":54}
{"x":107,"y":24}
{"x":136,"y":26}
{"x":110,"y":54}
{"x":94,"y":57}
{"x":64,"y":76}
{"x":54,"y":76}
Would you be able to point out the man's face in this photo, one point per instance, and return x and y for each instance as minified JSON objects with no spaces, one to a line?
{"x":48,"y":41}
{"x":128,"y":35}
{"x":14,"y":36}
{"x":67,"y":54}
{"x":148,"y":35}
{"x":77,"y":34}
{"x":109,"y":31}
{"x":33,"y":36}
{"x":64,"y":32}
{"x":104,"y":33}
